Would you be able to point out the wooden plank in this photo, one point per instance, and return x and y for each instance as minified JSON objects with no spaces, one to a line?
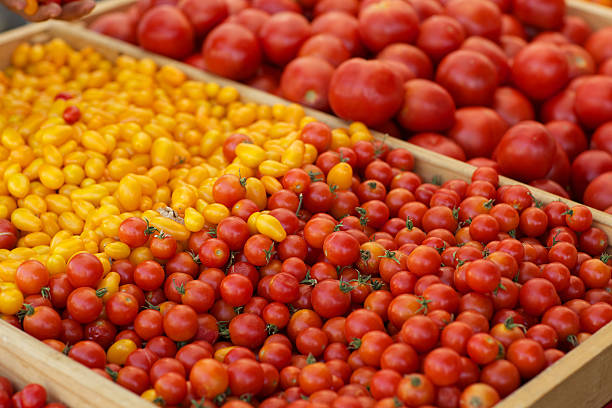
{"x":105,"y":7}
{"x":596,"y":16}
{"x":24,"y":360}
{"x":581,"y":379}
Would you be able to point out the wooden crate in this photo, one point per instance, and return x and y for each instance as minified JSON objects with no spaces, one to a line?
{"x":596,"y":15}
{"x":581,"y":379}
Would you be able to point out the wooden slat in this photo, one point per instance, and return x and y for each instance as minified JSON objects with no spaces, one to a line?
{"x":104,"y":7}
{"x":595,"y":15}
{"x":24,"y":360}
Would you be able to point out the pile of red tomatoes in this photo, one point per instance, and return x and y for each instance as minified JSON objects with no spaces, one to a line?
{"x":31,"y":396}
{"x":392,"y":292}
{"x":454,"y":76}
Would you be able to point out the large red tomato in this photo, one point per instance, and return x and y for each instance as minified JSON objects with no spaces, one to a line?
{"x":477,"y":130}
{"x":367,"y":91}
{"x":282,"y":35}
{"x":250,"y":18}
{"x":576,"y":29}
{"x":439,"y":36}
{"x":526,"y":151}
{"x":569,"y":136}
{"x":560,"y":170}
{"x":387,"y":22}
{"x":543,"y":14}
{"x":478,"y":17}
{"x":117,"y":25}
{"x":343,"y":26}
{"x":540,"y":70}
{"x":204,"y":15}
{"x":413,"y":58}
{"x":560,"y":107}
{"x":602,"y":138}
{"x":427,"y":107}
{"x":492,"y":51}
{"x":599,"y":45}
{"x":512,"y":44}
{"x":347,"y":6}
{"x":586,"y":167}
{"x":512,"y":105}
{"x":165,"y":30}
{"x":594,"y":101}
{"x":327,"y":47}
{"x":551,"y":187}
{"x":579,"y":60}
{"x":277,"y":6}
{"x":599,"y":194}
{"x":426,"y":8}
{"x":439,"y":144}
{"x":232,"y":51}
{"x":469,"y":77}
{"x":306,"y":80}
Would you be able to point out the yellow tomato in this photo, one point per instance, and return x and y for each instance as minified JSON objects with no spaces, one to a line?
{"x":270,"y":227}
{"x":341,"y":175}
{"x":119,"y":351}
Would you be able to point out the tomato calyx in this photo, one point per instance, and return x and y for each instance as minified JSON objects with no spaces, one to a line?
{"x":441,"y":249}
{"x":489,"y":204}
{"x":475,"y":401}
{"x":536,"y":202}
{"x":112,"y":373}
{"x":390,"y":255}
{"x":223,"y":327}
{"x":345,"y":287}
{"x":485,"y":255}
{"x":212,"y":232}
{"x":499,"y":286}
{"x":299,"y":208}
{"x":512,"y":233}
{"x":308,"y":280}
{"x":501,"y":352}
{"x":355,"y":344}
{"x":149,"y":229}
{"x":415,"y":381}
{"x":397,"y":403}
{"x":270,"y":252}
{"x":179,"y":288}
{"x":572,"y":339}
{"x":181,"y":344}
{"x":66,"y":349}
{"x":604,"y":257}
{"x":365,"y":255}
{"x":332,"y":189}
{"x":338,"y":226}
{"x":198,"y":404}
{"x":436,"y":180}
{"x":409,"y":224}
{"x":231,"y":260}
{"x":194,"y":256}
{"x":271,"y":329}
{"x":220,"y":399}
{"x":456,"y":213}
{"x":27,"y":310}
{"x":159,"y":401}
{"x":509,"y":324}
{"x":246,"y":397}
{"x":238,"y":309}
{"x":162,"y":235}
{"x":363,"y":219}
{"x":314,"y":176}
{"x":45,"y":292}
{"x":424,"y":305}
{"x":310,"y":359}
{"x":466,"y":222}
{"x":101,"y":292}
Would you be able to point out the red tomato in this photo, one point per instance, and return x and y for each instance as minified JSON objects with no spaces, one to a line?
{"x":477,"y":130}
{"x":594,"y":101}
{"x":250,"y":18}
{"x":526,"y":151}
{"x":512,"y":105}
{"x":347,"y":6}
{"x":282,"y":35}
{"x":277,"y":6}
{"x":326,"y":47}
{"x":439,"y":36}
{"x":410,"y":56}
{"x":570,"y":137}
{"x":439,"y":144}
{"x":426,"y":8}
{"x":598,"y":194}
{"x":387,"y":22}
{"x":492,"y":51}
{"x":580,"y":61}
{"x":117,"y":25}
{"x":165,"y":30}
{"x":586,"y":167}
{"x":427,"y":107}
{"x":305,"y":80}
{"x":540,"y":70}
{"x":204,"y":16}
{"x":232,"y":51}
{"x":8,"y":234}
{"x":343,"y":26}
{"x":599,"y":46}
{"x":469,"y":77}
{"x":367,"y":91}
{"x":478,"y":17}
{"x":543,"y":14}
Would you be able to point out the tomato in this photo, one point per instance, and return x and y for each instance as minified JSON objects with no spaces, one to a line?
{"x":420,"y":332}
{"x":478,"y":395}
{"x":543,"y":14}
{"x":204,"y":16}
{"x":209,"y":378}
{"x":121,"y":308}
{"x":117,"y":25}
{"x":595,"y":316}
{"x":416,"y":390}
{"x":442,"y":366}
{"x":478,"y":18}
{"x":512,"y":106}
{"x":592,"y":101}
{"x":415,"y":60}
{"x":232,"y":51}
{"x":326,"y":47}
{"x":528,"y":356}
{"x":306,"y":80}
{"x":246,"y":376}
{"x":439,"y":35}
{"x":258,"y":249}
{"x":165,"y":30}
{"x":438,"y":144}
{"x":387,"y":22}
{"x":427,"y":107}
{"x":248,"y":330}
{"x":149,"y":275}
{"x":325,"y":6}
{"x":276,"y":6}
{"x":598,"y":45}
{"x":470,"y":77}
{"x":84,"y":269}
{"x":282,"y":35}
{"x":477,"y":130}
{"x":343,"y":26}
{"x":8,"y":237}
{"x":540,"y":70}
{"x":32,"y":396}
{"x":586,"y":167}
{"x":594,"y":273}
{"x":538,"y":295}
{"x":526,"y":139}
{"x":331,"y":298}
{"x":88,"y":353}
{"x":42,"y":322}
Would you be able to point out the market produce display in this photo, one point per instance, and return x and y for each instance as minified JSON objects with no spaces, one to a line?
{"x":454,"y":76}
{"x":201,"y":251}
{"x":31,"y":396}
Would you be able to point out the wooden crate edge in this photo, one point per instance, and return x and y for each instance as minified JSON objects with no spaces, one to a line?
{"x":597,"y":16}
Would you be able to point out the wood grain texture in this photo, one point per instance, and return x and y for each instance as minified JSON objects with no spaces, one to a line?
{"x":581,"y":379}
{"x":595,"y":15}
{"x":24,"y":360}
